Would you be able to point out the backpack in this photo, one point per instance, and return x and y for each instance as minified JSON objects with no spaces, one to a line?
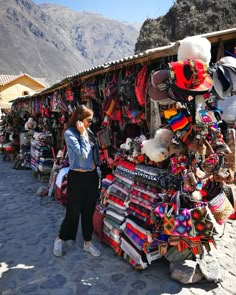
{"x":140,"y":86}
{"x":127,"y":90}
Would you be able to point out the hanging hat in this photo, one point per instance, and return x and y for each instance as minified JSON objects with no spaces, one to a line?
{"x":229,"y":62}
{"x":157,"y":86}
{"x":229,"y":65}
{"x":190,"y":76}
{"x":232,"y":76}
{"x":222,"y":82}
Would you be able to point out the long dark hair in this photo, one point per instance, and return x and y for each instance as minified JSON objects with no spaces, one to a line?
{"x":80,"y":113}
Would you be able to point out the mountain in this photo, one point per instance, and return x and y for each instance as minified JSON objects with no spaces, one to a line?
{"x":53,"y":41}
{"x":186,"y":18}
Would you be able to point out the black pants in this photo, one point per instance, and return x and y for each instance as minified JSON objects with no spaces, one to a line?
{"x":82,"y":190}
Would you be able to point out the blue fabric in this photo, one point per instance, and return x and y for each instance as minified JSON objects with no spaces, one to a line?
{"x":82,"y":152}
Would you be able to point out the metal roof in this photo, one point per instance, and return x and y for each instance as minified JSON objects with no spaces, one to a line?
{"x":149,"y":52}
{"x":147,"y":55}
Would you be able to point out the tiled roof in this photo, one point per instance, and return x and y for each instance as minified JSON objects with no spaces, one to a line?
{"x":5,"y":79}
{"x":5,"y":105}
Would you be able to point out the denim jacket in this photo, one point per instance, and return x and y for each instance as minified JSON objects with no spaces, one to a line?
{"x":82,"y":151}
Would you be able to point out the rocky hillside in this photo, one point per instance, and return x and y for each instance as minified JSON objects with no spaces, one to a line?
{"x":186,"y":18}
{"x":52,"y":41}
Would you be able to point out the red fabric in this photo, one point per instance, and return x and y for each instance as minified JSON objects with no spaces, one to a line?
{"x":110,"y":177}
{"x":110,"y":242}
{"x":117,"y":200}
{"x":140,"y":87}
{"x":233,"y":216}
{"x":127,"y":165}
{"x":98,"y":225}
{"x":137,"y":232}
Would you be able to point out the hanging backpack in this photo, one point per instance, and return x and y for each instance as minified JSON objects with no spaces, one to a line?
{"x":140,"y":86}
{"x":127,"y":89}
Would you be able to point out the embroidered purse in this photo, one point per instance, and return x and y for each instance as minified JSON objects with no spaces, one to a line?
{"x":104,"y":138}
{"x":179,"y":224}
{"x":204,"y":222}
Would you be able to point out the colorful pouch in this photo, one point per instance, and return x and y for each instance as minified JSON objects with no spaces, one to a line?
{"x":179,"y":224}
{"x":204,"y":222}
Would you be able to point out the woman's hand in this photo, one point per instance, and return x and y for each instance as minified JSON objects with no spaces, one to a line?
{"x":80,"y":127}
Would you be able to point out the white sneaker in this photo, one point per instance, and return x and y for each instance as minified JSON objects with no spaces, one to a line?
{"x":58,"y":247}
{"x":92,"y":250}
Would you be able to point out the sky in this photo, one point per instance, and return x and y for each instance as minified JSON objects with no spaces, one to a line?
{"x":130,"y":11}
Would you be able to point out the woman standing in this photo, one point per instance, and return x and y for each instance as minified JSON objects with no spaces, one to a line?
{"x":82,"y":181}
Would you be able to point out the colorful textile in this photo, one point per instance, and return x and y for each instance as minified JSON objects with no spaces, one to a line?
{"x":135,"y":192}
{"x":146,"y":224}
{"x":118,"y":193}
{"x":112,"y":222}
{"x":120,"y":183}
{"x":137,"y":232}
{"x":132,"y":262}
{"x":123,"y":180}
{"x":204,"y":222}
{"x":137,"y":198}
{"x":130,"y":251}
{"x":155,"y":177}
{"x":160,"y":210}
{"x":124,"y":172}
{"x":127,"y":165}
{"x":115,"y":215}
{"x":145,"y":219}
{"x":116,"y":200}
{"x":114,"y":237}
{"x":111,"y":227}
{"x":118,"y":188}
{"x":139,"y":209}
{"x":116,"y":247}
{"x":183,"y":223}
{"x":138,"y":228}
{"x":140,"y":203}
{"x":117,"y":210}
{"x":114,"y":203}
{"x":153,"y":193}
{"x":176,"y":119}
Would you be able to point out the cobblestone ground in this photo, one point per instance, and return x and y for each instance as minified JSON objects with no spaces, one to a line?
{"x":28,"y":226}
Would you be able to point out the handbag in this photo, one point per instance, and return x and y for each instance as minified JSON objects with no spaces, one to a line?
{"x":89,"y":89}
{"x":176,"y":220}
{"x":104,"y":138}
{"x":221,"y":207}
{"x":203,"y":221}
{"x":179,"y":224}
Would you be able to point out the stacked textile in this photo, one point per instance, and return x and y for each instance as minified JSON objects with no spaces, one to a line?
{"x":117,"y":196}
{"x":41,"y":155}
{"x":147,"y":191}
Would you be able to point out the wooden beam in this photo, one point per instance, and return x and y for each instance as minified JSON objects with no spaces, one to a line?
{"x":220,"y":51}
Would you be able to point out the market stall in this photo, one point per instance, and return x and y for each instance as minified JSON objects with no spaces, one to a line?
{"x":168,"y":155}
